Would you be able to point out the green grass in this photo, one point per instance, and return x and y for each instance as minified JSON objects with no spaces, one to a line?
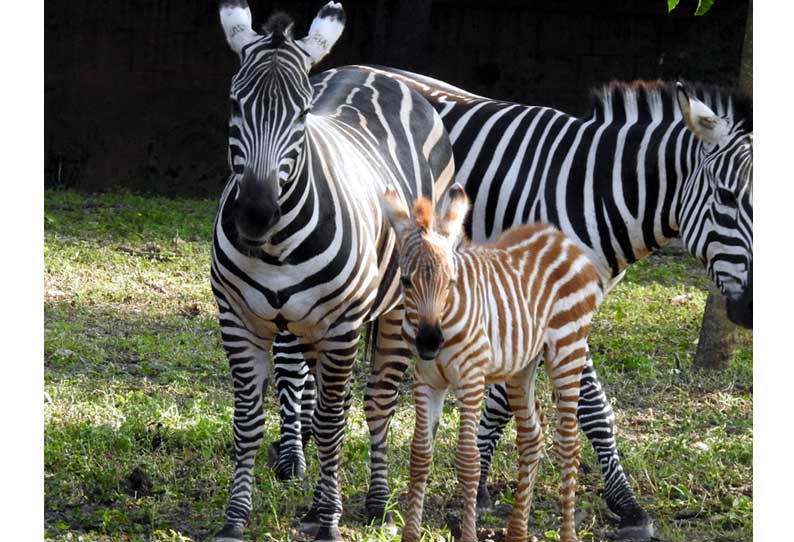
{"x":138,"y":389}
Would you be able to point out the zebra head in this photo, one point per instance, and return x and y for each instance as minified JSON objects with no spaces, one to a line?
{"x":716,"y":208}
{"x":271,"y":97}
{"x":427,"y":265}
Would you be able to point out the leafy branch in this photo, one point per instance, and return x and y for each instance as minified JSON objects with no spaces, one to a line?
{"x":703,"y":6}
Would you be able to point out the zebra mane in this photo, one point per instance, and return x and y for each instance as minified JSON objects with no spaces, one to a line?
{"x":612,"y":96}
{"x":279,"y":25}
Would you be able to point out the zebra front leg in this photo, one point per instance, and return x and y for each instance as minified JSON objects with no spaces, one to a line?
{"x":429,"y":403}
{"x":597,"y":420}
{"x":467,"y":457}
{"x":250,"y":370}
{"x":291,"y":360}
{"x":529,"y":441}
{"x":380,"y":401}
{"x":333,"y":377}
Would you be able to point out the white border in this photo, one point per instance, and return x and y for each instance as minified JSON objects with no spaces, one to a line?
{"x":22,"y":325}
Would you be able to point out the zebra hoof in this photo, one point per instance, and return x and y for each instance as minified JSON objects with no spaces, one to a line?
{"x":484,"y":503}
{"x":378,"y":515}
{"x":328,"y":533}
{"x":310,"y":524}
{"x":290,"y":467}
{"x":643,"y":532}
{"x":229,"y":533}
{"x":272,"y":454}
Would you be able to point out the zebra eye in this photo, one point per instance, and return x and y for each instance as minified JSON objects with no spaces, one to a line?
{"x":725,"y":196}
{"x":406,"y":282}
{"x":235,"y":107}
{"x":303,"y":114}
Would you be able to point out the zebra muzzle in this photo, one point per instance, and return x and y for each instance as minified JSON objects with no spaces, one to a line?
{"x":256,"y":209}
{"x":429,"y":339}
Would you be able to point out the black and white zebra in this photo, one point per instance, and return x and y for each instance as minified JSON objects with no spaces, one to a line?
{"x":301,"y":254}
{"x":652,"y":162}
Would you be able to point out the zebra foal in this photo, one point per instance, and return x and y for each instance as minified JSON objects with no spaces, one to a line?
{"x":478,"y":314}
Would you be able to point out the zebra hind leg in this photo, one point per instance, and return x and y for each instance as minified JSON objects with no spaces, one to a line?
{"x":597,"y":420}
{"x":492,"y":424}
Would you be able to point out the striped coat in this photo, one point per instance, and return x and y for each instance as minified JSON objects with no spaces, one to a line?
{"x":302,"y":256}
{"x":481,"y":314}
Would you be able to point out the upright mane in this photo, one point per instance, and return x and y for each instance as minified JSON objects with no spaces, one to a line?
{"x":279,"y":25}
{"x":657,"y":99}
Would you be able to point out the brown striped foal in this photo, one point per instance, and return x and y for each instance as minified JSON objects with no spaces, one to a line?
{"x":475,"y":315}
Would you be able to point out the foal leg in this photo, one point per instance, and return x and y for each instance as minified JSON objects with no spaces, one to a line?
{"x":564,"y":367}
{"x":467,"y":458}
{"x":429,"y":403}
{"x":529,"y":440}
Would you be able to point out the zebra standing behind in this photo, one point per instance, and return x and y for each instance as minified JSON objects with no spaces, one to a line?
{"x":653,"y":161}
{"x":479,"y":314}
{"x":301,"y":254}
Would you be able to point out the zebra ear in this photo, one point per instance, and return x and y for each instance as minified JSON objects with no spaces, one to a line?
{"x":451,"y":224}
{"x":397,"y":213}
{"x":236,"y":22}
{"x":703,"y":122}
{"x":325,"y":30}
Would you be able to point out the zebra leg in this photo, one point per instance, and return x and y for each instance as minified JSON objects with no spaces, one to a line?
{"x":529,"y":441}
{"x":290,"y":373}
{"x":308,"y":402}
{"x":597,"y":420}
{"x":250,"y":370}
{"x":429,"y":403}
{"x":492,"y":424}
{"x":564,"y":368}
{"x":333,"y":376}
{"x":467,"y":457}
{"x":380,"y":401}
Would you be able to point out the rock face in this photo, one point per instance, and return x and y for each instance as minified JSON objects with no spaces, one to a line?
{"x":136,"y":92}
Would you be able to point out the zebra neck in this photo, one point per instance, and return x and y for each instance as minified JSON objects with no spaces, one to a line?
{"x":632,"y":209}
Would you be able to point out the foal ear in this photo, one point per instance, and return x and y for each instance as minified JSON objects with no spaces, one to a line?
{"x":397,"y":213}
{"x":451,"y":224}
{"x":703,"y":122}
{"x":325,"y":30}
{"x":236,"y":22}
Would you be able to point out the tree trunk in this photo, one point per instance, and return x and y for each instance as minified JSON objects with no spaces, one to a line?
{"x":717,"y":342}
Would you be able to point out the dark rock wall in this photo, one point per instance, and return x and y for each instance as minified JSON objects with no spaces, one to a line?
{"x":136,"y":90}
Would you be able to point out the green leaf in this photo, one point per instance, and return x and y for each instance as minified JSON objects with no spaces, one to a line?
{"x":671,"y":4}
{"x":703,"y":6}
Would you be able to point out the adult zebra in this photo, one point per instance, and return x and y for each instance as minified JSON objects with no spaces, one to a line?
{"x":301,"y":254}
{"x":649,"y":164}
{"x":653,"y":161}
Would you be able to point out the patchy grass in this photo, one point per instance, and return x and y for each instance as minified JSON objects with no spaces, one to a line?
{"x":138,"y":410}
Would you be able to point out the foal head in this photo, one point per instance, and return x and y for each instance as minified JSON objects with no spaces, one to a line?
{"x":426,"y":243}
